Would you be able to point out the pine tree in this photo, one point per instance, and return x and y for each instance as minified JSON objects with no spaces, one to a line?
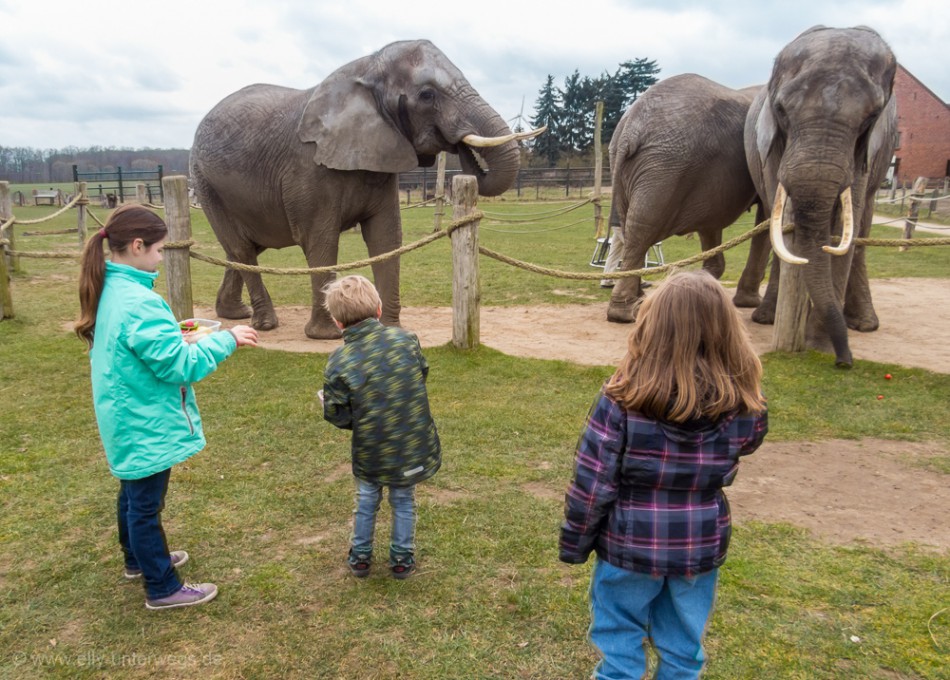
{"x":577,"y":113}
{"x":569,"y":112}
{"x":631,"y":79}
{"x":548,"y":112}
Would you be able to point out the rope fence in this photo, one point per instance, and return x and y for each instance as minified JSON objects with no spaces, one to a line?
{"x":472,"y":217}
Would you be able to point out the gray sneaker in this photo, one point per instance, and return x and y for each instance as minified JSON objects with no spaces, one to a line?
{"x":188,"y":595}
{"x":179,"y":557}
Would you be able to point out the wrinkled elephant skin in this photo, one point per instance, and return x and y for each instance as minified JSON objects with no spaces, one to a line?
{"x":825,"y":123}
{"x":677,"y":166}
{"x":275,"y":167}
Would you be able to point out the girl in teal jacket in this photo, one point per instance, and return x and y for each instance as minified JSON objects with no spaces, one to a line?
{"x":142,"y":370}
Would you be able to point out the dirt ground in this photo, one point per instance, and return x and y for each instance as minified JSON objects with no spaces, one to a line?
{"x":845,"y":492}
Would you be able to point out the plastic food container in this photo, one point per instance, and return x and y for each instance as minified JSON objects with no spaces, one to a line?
{"x":193,"y":330}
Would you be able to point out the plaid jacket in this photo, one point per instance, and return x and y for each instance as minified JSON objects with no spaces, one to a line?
{"x":375,"y":385}
{"x":647,"y":495}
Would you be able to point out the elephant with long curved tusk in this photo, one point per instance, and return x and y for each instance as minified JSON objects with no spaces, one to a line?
{"x":819,"y":137}
{"x":275,"y":167}
{"x":776,"y":224}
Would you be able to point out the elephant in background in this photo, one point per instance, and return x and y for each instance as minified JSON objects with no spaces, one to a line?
{"x":677,"y":166}
{"x":275,"y":166}
{"x":825,"y":127}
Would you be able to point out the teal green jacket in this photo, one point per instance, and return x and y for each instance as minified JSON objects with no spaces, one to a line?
{"x":142,"y":372}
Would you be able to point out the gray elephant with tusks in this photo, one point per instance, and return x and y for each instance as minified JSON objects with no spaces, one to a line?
{"x":818,"y":141}
{"x":275,"y":166}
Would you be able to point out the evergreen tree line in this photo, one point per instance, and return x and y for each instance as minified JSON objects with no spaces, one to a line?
{"x":569,"y":111}
{"x":26,"y":165}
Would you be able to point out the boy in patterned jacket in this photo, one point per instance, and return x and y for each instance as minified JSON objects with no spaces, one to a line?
{"x":375,"y":386}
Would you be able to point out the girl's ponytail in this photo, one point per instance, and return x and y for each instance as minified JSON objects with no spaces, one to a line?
{"x":92,"y":275}
{"x":127,"y":223}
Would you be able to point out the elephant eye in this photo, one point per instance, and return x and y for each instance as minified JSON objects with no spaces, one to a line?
{"x":871,"y":119}
{"x":427,"y":96}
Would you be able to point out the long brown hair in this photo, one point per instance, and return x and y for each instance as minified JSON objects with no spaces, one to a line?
{"x":689,"y":355}
{"x":126,"y":224}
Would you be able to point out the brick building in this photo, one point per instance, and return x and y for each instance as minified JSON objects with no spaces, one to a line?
{"x":923,"y":125}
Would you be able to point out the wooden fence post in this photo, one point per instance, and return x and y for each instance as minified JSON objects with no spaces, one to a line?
{"x":177,"y":260}
{"x":439,"y":192}
{"x":599,"y":230}
{"x":791,"y":307}
{"x":81,"y":210}
{"x":6,"y":212}
{"x":140,"y":195}
{"x":466,"y":287}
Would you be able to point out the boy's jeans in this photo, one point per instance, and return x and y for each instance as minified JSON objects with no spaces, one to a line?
{"x":628,"y":607}
{"x":141,"y":535}
{"x":402,"y":499}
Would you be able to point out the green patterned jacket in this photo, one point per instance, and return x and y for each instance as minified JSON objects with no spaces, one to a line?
{"x":375,"y":385}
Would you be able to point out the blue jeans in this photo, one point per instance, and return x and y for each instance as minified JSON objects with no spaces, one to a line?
{"x":402,"y":499}
{"x":141,"y":535}
{"x":630,"y":610}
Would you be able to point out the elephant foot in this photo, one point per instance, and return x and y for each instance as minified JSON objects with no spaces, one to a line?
{"x":863,"y":324}
{"x":239,"y":311}
{"x":322,"y":330}
{"x":265,"y":321}
{"x":744,"y":299}
{"x":623,"y":312}
{"x":764,"y":315}
{"x":389,"y":320}
{"x":845,"y":362}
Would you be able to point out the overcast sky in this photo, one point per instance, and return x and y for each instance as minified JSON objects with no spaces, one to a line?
{"x":131,"y":73}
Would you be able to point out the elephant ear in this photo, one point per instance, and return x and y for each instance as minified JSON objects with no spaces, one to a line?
{"x":344,"y":120}
{"x":766,"y":132}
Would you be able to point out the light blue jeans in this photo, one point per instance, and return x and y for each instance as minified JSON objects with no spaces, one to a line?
{"x":402,"y":500}
{"x":630,"y":610}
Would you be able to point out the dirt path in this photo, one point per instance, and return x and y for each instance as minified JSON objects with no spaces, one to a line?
{"x":844,"y":491}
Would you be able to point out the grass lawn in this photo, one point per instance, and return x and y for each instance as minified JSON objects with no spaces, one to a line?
{"x":265,"y":510}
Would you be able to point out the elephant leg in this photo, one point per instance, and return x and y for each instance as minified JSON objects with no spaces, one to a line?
{"x":858,"y":307}
{"x":627,"y":293}
{"x":747,"y":290}
{"x":263,"y":316}
{"x":859,"y":311}
{"x":321,"y":325}
{"x":228,"y":304}
{"x":321,"y":252}
{"x":383,"y":233}
{"x":715,"y":265}
{"x":765,"y":312}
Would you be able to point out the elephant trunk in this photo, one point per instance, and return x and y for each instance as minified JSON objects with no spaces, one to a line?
{"x":814,"y":211}
{"x":495,"y":167}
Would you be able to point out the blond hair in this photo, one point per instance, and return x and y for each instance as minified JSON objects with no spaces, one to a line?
{"x":689,"y":355}
{"x":352,"y":299}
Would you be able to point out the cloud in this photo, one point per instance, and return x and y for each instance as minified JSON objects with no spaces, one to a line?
{"x":77,"y":77}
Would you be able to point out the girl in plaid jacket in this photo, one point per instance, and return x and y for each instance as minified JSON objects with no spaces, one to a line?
{"x":663,"y":437}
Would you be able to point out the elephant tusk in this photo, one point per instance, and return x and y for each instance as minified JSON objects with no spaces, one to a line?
{"x":847,"y":226}
{"x":775,"y":229}
{"x":475,"y":140}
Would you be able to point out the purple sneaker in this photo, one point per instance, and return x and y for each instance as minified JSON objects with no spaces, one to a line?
{"x":188,"y":595}
{"x":179,"y":557}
